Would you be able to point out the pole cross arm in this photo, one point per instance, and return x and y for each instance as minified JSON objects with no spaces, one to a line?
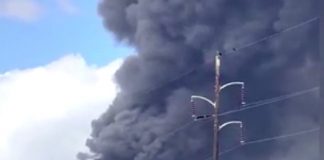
{"x":203,"y":98}
{"x":234,"y":122}
{"x":231,"y":84}
{"x":230,"y":122}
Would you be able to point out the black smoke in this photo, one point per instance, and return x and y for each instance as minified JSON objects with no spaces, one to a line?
{"x":174,"y":36}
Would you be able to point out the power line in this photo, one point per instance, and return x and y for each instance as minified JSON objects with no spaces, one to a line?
{"x":272,"y":138}
{"x":269,"y":139}
{"x":269,"y":101}
{"x":281,"y":136}
{"x":252,"y":105}
{"x":230,"y":150}
{"x":276,"y":34}
{"x":192,"y":70}
{"x":177,"y":129}
{"x":298,"y":93}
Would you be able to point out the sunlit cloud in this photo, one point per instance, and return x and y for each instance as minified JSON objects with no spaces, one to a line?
{"x":68,"y":6}
{"x":50,"y":107}
{"x":22,"y":10}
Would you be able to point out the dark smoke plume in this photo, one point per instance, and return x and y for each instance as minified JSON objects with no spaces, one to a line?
{"x":174,"y":36}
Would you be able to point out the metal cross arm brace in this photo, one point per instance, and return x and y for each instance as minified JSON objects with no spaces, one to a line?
{"x":236,"y":83}
{"x":202,"y":98}
{"x":234,"y":122}
{"x":231,"y":84}
{"x":230,"y":122}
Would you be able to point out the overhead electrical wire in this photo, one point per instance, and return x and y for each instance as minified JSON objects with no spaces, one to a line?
{"x":250,"y":106}
{"x":269,"y":101}
{"x":276,"y":34}
{"x":176,"y":130}
{"x":190,"y":71}
{"x":271,"y":139}
{"x":281,"y":136}
{"x":263,"y":140}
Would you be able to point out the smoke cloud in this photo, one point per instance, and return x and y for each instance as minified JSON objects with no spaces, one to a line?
{"x":174,"y":36}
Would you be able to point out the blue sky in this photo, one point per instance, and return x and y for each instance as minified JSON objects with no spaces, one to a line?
{"x":57,"y":66}
{"x":53,"y":31}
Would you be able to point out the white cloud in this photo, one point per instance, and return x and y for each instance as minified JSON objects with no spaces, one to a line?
{"x":31,"y":10}
{"x":24,"y":10}
{"x":67,"y":6}
{"x":45,"y":112}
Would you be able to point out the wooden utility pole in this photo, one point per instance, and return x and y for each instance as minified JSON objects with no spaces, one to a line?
{"x":217,"y":90}
{"x":216,"y":106}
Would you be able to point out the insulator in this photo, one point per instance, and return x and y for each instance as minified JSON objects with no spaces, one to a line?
{"x":241,"y":134}
{"x":193,"y":108}
{"x":242,"y":95}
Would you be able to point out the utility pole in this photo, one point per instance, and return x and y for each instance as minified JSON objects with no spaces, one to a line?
{"x":216,"y":106}
{"x":217,"y":90}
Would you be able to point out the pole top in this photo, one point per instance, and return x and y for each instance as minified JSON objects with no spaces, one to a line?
{"x":217,"y":58}
{"x":219,"y":53}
